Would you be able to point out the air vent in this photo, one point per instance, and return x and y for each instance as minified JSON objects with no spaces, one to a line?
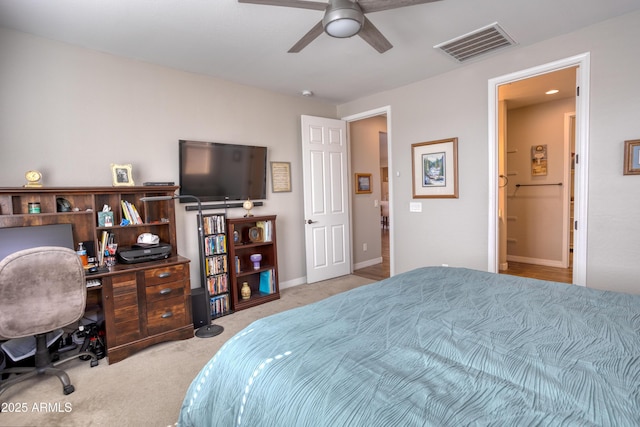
{"x":479,"y":42}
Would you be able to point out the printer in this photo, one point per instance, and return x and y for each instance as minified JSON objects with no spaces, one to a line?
{"x":142,"y":252}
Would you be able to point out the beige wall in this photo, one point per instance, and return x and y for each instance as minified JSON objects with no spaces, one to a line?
{"x":364,"y":140}
{"x":535,"y":221}
{"x":71,"y":112}
{"x":455,"y":105}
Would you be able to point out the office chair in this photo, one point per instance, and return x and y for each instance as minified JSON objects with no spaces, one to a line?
{"x":41,"y":289}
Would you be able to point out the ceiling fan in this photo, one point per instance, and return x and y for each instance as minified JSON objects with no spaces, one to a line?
{"x":343,"y":18}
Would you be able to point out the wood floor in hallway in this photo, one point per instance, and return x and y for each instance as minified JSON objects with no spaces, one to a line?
{"x":555,"y":274}
{"x":382,"y":270}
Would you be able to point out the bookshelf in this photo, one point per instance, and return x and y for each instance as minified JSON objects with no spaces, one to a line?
{"x":215,"y":271}
{"x":246,"y":237}
{"x":143,"y":304}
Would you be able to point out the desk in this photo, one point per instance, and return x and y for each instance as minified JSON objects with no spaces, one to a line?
{"x":143,"y":304}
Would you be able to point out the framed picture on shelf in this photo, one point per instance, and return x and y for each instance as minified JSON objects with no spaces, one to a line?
{"x":435,"y":169}
{"x":122,"y":175}
{"x":363,"y":183}
{"x":280,"y":177}
{"x":632,"y":157}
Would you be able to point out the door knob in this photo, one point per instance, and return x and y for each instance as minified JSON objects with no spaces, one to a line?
{"x":310,"y":222}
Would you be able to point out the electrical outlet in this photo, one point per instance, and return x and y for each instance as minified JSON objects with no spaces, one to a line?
{"x":364,"y":247}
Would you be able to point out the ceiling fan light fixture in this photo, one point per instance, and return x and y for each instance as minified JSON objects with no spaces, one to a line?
{"x":343,"y":19}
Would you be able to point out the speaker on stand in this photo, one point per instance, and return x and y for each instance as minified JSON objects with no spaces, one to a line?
{"x":200,"y":308}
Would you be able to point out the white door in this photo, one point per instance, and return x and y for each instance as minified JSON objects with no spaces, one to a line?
{"x":326,"y":202}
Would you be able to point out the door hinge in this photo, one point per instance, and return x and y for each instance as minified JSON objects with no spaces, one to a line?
{"x":577,"y":90}
{"x":575,"y":225}
{"x":577,"y":159}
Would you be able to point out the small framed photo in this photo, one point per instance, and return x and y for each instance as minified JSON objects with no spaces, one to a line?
{"x":280,"y":177}
{"x":121,"y":175}
{"x":363,"y":183}
{"x":435,"y":169}
{"x":632,"y":157}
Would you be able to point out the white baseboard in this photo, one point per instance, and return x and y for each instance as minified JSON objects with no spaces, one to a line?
{"x":291,"y":283}
{"x":536,"y":261}
{"x":367,"y":263}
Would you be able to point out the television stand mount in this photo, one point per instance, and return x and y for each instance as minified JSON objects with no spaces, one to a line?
{"x":221,"y":205}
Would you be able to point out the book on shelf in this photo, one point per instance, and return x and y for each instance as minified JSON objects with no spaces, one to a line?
{"x":265,"y":226}
{"x":218,"y":284}
{"x":130,"y":212}
{"x":267,"y":281}
{"x":219,"y":305}
{"x":214,"y":224}
{"x":215,"y":244}
{"x":216,"y":264}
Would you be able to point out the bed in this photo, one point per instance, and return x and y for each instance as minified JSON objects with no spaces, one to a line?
{"x":435,"y":346}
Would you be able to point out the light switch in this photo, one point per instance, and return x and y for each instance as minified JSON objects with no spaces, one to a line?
{"x":415,"y":207}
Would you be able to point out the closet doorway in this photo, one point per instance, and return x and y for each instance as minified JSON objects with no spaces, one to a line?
{"x":537,"y":154}
{"x":533,"y":144}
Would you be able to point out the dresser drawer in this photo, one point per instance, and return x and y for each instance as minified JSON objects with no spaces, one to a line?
{"x":159,"y":275}
{"x":164,"y":291}
{"x":166,"y":315}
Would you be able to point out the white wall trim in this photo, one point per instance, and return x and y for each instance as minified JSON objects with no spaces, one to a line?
{"x":582,"y":61}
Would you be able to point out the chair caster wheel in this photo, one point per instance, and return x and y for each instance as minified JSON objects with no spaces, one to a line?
{"x":68,"y":389}
{"x":94,"y":362}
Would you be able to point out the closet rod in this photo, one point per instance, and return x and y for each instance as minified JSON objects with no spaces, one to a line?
{"x":535,"y":185}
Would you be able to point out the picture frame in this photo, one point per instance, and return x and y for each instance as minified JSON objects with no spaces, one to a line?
{"x":363,"y":183}
{"x":122,"y":175}
{"x":632,"y":157}
{"x":434,"y":167}
{"x":281,"y":177}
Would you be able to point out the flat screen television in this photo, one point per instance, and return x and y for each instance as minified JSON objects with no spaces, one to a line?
{"x":14,"y":239}
{"x":214,"y":171}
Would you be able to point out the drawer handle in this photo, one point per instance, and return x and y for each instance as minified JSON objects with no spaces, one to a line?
{"x":164,"y":275}
{"x":167,"y":315}
{"x":165,"y":291}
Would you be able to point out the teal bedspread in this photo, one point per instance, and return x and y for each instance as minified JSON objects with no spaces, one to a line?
{"x":432,"y":347}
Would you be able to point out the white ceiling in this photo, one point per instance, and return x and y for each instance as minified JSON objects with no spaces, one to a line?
{"x":248,"y":43}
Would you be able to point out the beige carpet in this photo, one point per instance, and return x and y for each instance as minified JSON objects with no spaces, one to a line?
{"x":147,"y":388}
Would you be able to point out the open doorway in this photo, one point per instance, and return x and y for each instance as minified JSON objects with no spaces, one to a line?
{"x":374,"y":263}
{"x":370,"y":153}
{"x":536,"y":187}
{"x":498,"y":172}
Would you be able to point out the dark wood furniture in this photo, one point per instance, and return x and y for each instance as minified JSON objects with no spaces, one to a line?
{"x":241,"y":269}
{"x":144,"y":303}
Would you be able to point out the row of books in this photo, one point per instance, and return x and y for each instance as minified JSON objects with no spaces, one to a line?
{"x":267,"y":281}
{"x":219,"y":305}
{"x":218,"y":284}
{"x":130,"y":212}
{"x":216,"y":244}
{"x":214,"y":224}
{"x":266,"y":230}
{"x":216,"y":264}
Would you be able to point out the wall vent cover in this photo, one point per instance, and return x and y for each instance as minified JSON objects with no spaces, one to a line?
{"x":479,"y":42}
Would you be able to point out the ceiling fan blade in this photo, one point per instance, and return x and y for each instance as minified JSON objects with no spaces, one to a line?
{"x":307,"y":38}
{"x":374,"y":37}
{"x":289,"y":3}
{"x":369,"y":6}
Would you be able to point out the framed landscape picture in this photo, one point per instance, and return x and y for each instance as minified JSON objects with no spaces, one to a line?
{"x":435,"y":169}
